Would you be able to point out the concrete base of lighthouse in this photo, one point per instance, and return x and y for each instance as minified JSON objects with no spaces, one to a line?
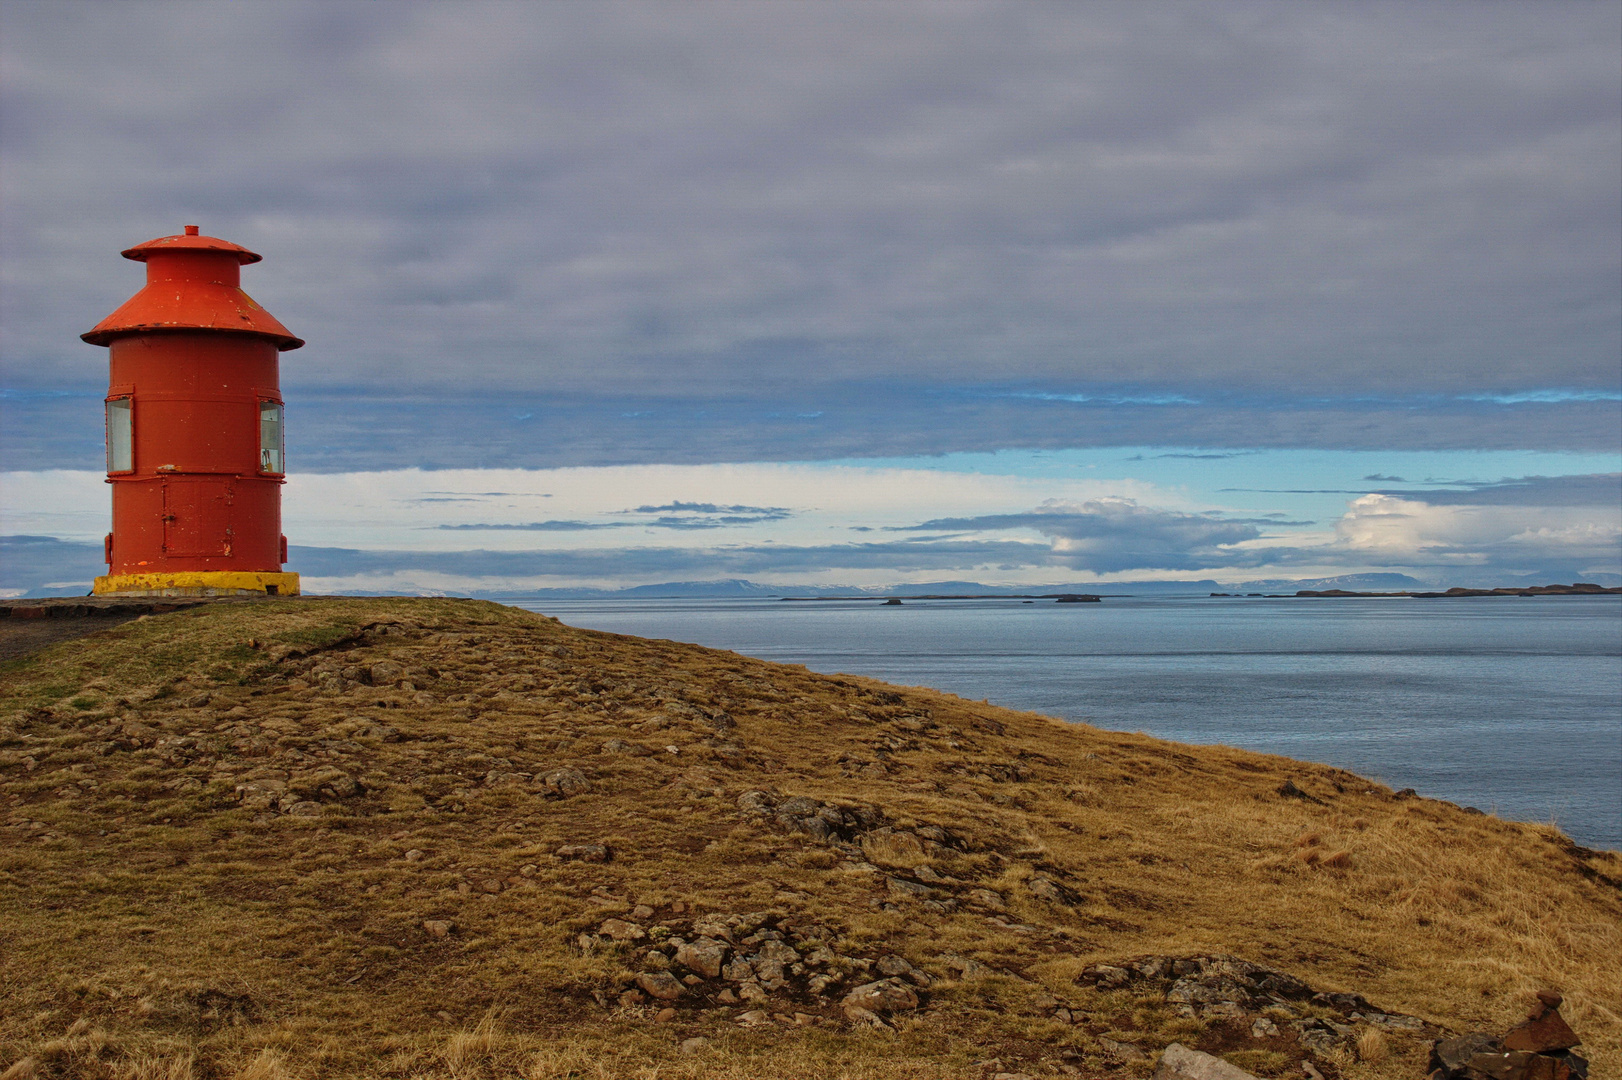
{"x":199,"y":583}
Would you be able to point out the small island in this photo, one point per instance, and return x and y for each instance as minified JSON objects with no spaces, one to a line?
{"x":1581,"y":588}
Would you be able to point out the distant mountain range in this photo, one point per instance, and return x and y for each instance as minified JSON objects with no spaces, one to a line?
{"x":47,"y":566}
{"x":741,"y":588}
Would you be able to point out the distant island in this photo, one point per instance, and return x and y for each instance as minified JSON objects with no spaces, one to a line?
{"x":1062,"y":598}
{"x":1581,"y":588}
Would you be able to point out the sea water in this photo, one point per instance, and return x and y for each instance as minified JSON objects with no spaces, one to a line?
{"x":1510,"y":705}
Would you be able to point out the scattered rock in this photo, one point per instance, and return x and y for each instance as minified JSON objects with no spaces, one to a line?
{"x":1106,"y":976}
{"x":1046,"y":888}
{"x":986,"y":898}
{"x":1453,"y":1054}
{"x":703,"y":957}
{"x":1178,"y":1062}
{"x":695,"y":1045}
{"x":664,"y":1016}
{"x":1544,"y":1029}
{"x":1289,"y":790}
{"x":584,"y":852}
{"x":910,"y":889}
{"x":898,"y":967}
{"x":620,"y":930}
{"x":438,"y":927}
{"x":660,"y":984}
{"x":884,"y":997}
{"x":386,"y":673}
{"x":565,"y":782}
{"x":858,"y":1015}
{"x":504,"y":778}
{"x":893,"y":847}
{"x":967,"y":970}
{"x":260,"y":794}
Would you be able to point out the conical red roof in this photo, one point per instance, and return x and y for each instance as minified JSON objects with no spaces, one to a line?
{"x":191,"y":284}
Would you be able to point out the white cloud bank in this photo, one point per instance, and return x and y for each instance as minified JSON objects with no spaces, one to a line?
{"x":467,"y":530}
{"x":1392,"y":530}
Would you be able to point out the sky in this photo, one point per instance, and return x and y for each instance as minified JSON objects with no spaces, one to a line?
{"x":621,"y":293}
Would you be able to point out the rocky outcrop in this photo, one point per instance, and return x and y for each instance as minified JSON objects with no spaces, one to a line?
{"x":758,"y":959}
{"x":1227,"y":988}
{"x":803,"y":814}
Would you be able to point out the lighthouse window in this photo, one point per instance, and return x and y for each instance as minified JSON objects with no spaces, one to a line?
{"x":120,"y":432}
{"x":271,"y":445}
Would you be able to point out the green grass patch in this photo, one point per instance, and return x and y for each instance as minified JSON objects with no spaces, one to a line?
{"x":317,"y":637}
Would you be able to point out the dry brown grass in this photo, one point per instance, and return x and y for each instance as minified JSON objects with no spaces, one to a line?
{"x":153,"y":925}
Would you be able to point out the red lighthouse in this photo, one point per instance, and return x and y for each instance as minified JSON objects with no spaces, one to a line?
{"x":195,"y":452}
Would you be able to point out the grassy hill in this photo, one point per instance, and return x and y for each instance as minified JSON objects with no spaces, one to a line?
{"x":440,"y":838}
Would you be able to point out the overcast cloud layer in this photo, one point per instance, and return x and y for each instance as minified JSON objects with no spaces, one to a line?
{"x":1393,"y":210}
{"x":617,"y":293}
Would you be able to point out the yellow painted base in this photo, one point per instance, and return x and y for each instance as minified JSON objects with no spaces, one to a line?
{"x":199,"y":583}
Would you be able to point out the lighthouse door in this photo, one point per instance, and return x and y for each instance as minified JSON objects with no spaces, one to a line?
{"x":196,"y":517}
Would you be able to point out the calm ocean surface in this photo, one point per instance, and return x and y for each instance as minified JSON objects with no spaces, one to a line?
{"x":1510,"y":705}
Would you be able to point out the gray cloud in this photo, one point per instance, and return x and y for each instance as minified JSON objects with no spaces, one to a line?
{"x":1599,"y":489}
{"x":1119,"y":203}
{"x":537,"y":526}
{"x":721,"y":522}
{"x":348,"y":431}
{"x":1107,"y":517}
{"x":1104,"y":536}
{"x":674,"y":515}
{"x":634,"y":563}
{"x":1114,"y":535}
{"x":756,"y":513}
